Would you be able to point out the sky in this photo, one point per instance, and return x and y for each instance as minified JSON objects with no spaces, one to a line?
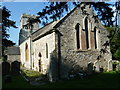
{"x":17,"y":8}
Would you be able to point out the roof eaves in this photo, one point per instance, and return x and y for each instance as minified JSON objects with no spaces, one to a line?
{"x":59,"y":21}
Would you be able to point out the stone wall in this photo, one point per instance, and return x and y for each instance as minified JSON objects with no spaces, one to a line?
{"x":58,"y":53}
{"x":12,"y":58}
{"x":39,"y":46}
{"x":25,"y":32}
{"x":13,"y":54}
{"x":22,"y":46}
{"x":73,"y":59}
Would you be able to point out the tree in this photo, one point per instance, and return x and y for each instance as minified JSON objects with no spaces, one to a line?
{"x":117,"y":5}
{"x":117,"y":54}
{"x":6,"y":24}
{"x":30,"y":23}
{"x":55,"y":11}
{"x":114,"y":36}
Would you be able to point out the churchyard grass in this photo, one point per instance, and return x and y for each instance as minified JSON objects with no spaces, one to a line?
{"x":31,"y":73}
{"x":17,"y":82}
{"x":102,"y":80}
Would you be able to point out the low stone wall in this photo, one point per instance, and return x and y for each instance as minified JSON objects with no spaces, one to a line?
{"x":12,"y":58}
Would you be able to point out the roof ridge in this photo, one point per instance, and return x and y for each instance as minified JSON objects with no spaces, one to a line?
{"x":42,"y":27}
{"x":57,"y":20}
{"x":67,"y":14}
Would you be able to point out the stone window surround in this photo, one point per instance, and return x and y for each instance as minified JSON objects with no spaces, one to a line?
{"x":26,"y":52}
{"x":46,"y":50}
{"x":90,"y":29}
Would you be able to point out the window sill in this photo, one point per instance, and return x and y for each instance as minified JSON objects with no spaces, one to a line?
{"x":87,"y":50}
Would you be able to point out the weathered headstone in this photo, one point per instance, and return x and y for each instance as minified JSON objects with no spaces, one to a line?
{"x":5,"y":68}
{"x":97,"y":67}
{"x":15,"y":68}
{"x":90,"y":68}
{"x":118,"y":67}
{"x":114,"y":67}
{"x":101,"y":69}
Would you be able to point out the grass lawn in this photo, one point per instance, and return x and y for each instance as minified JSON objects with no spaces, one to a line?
{"x":31,"y":73}
{"x":102,"y":80}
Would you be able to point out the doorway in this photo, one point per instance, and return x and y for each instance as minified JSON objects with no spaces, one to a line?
{"x":39,"y":62}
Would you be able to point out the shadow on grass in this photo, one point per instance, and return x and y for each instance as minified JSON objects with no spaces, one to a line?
{"x":16,"y":82}
{"x":101,"y":80}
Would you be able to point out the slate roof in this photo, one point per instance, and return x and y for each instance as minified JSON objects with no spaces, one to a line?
{"x":14,"y":50}
{"x":50,"y":26}
{"x":43,"y":30}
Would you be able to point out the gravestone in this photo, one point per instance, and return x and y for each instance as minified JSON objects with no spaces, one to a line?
{"x":15,"y":68}
{"x":101,"y":69}
{"x":5,"y":68}
{"x":118,"y":67}
{"x":97,"y":67}
{"x":90,"y":68}
{"x":114,"y":67}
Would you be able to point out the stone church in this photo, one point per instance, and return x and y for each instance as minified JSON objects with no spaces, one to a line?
{"x":75,"y":43}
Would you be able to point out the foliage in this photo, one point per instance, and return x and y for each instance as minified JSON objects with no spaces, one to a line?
{"x":55,"y":10}
{"x":30,"y":23}
{"x":116,"y":63}
{"x":114,"y":36}
{"x":6,"y":24}
{"x":117,"y":54}
{"x":31,"y":73}
{"x":4,"y":58}
{"x":104,"y":12}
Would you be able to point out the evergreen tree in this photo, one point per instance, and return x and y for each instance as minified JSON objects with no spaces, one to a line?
{"x":6,"y":24}
{"x":115,"y":34}
{"x":55,"y":11}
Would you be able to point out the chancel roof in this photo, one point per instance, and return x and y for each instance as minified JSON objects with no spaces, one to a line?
{"x":13,"y":50}
{"x":50,"y":26}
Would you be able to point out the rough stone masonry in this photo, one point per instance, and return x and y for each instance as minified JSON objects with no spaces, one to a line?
{"x":77,"y":42}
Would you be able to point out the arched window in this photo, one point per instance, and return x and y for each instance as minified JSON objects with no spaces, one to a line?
{"x":39,"y":62}
{"x":77,"y":35}
{"x":95,"y":38}
{"x":46,"y":50}
{"x":39,"y":55}
{"x":26,"y":52}
{"x":86,"y":32}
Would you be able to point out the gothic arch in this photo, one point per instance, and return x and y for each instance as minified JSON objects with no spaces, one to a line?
{"x":77,"y":35}
{"x":26,"y":52}
{"x":46,"y":50}
{"x":95,"y":37}
{"x":86,"y":32}
{"x":39,"y":55}
{"x":39,"y":61}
